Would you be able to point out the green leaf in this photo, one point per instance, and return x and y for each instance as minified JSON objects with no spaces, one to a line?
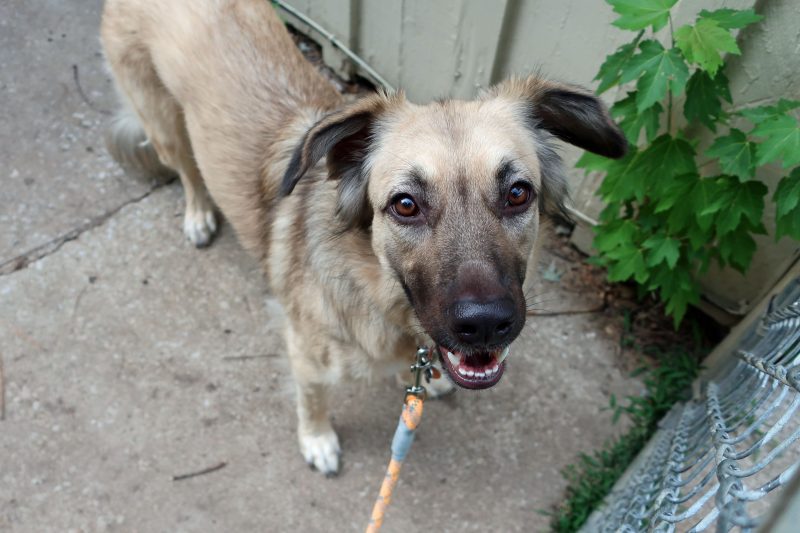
{"x":787,"y":206}
{"x":639,"y":14}
{"x":737,"y":248}
{"x":623,"y":180}
{"x":632,"y":122}
{"x":696,"y":208}
{"x":766,"y":112}
{"x":703,"y":42}
{"x":636,"y":174}
{"x":656,"y":69}
{"x":682,"y":214}
{"x":675,"y":190}
{"x":699,"y":238}
{"x":736,"y":201}
{"x":666,"y":158}
{"x":677,"y":288}
{"x":662,"y":248}
{"x":617,"y":233}
{"x":628,"y":263}
{"x":703,"y":201}
{"x":736,"y":154}
{"x":782,"y":141}
{"x":732,"y":18}
{"x":593,"y":162}
{"x":611,"y":68}
{"x":678,"y":304}
{"x":703,"y":95}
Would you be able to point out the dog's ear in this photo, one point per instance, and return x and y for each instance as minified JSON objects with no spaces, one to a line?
{"x":344,"y":137}
{"x":569,"y":112}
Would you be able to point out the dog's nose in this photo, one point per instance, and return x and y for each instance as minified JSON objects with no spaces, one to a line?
{"x":483,"y":323}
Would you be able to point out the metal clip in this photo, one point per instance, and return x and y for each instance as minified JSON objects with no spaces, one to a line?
{"x":422,"y":366}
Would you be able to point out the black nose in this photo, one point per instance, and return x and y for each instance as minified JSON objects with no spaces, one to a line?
{"x":483,"y":323}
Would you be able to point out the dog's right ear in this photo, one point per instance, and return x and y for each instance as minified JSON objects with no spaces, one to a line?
{"x":343,"y":136}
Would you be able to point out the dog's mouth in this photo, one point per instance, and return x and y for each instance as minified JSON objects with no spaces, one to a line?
{"x":479,"y":370}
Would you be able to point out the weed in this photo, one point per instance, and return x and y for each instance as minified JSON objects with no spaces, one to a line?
{"x":666,"y":381}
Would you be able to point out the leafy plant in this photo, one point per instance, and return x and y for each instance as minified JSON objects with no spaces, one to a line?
{"x":593,"y":476}
{"x":667,"y":215}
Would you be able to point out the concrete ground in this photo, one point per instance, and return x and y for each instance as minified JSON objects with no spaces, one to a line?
{"x":128,"y":357}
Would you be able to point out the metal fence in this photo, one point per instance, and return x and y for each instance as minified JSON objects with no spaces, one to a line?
{"x":719,"y":460}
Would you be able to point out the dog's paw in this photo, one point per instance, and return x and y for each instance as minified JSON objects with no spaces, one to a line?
{"x":322,"y":451}
{"x":199,"y":226}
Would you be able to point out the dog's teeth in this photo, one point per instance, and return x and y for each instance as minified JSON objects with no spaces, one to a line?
{"x":470,"y":373}
{"x":462,"y":371}
{"x":503,"y":355}
{"x":496,"y":368}
{"x":453,"y":359}
{"x":479,"y":374}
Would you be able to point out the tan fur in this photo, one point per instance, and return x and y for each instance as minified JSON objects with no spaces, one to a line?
{"x":228,"y":102}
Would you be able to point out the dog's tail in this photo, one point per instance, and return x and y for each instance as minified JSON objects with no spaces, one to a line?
{"x":128,"y":144}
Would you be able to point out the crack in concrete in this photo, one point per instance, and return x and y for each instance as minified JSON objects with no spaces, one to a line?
{"x":31,"y":256}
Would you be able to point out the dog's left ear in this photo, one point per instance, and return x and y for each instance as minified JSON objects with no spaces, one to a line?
{"x":344,"y":137}
{"x":569,"y":112}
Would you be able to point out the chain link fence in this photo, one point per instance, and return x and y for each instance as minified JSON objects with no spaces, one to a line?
{"x":718,"y":461}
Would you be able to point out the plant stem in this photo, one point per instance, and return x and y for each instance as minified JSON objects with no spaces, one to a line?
{"x":669,"y":89}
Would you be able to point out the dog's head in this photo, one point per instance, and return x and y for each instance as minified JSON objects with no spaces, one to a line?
{"x":453,"y":193}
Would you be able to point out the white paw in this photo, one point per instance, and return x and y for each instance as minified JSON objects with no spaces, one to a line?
{"x":322,"y":451}
{"x":199,"y":226}
{"x":437,"y":388}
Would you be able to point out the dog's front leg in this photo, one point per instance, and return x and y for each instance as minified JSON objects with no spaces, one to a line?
{"x":318,"y":441}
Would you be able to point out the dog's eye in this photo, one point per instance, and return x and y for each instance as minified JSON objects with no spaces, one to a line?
{"x":405,"y":206}
{"x":518,"y":195}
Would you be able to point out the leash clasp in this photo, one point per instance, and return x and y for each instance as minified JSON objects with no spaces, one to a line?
{"x":422,"y":366}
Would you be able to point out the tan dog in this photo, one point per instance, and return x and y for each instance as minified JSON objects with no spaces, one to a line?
{"x":416,"y":229}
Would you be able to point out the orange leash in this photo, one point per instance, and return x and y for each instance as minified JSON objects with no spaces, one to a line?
{"x":403,"y":438}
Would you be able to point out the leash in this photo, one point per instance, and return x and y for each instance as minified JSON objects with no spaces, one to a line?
{"x":403,"y":436}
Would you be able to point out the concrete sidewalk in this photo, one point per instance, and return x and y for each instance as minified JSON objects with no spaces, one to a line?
{"x":129,"y":357}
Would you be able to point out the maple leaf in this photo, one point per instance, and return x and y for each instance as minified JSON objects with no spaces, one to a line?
{"x":732,"y":18}
{"x":735,"y":201}
{"x":639,"y":14}
{"x":782,"y":141}
{"x":617,"y":233}
{"x":766,"y":112}
{"x":610,"y":70}
{"x":703,"y":95}
{"x":787,"y":206}
{"x":737,"y":248}
{"x":632,"y":122}
{"x":736,"y":154}
{"x":623,"y":180}
{"x":666,"y":158}
{"x":662,"y":248}
{"x":656,"y":70}
{"x":629,"y":262}
{"x":702,"y":201}
{"x":703,"y":42}
{"x":675,"y":190}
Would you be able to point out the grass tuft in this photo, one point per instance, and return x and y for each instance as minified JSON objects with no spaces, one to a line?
{"x":591,"y":478}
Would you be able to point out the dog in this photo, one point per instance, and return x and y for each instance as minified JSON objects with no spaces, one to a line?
{"x":381,"y":225}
